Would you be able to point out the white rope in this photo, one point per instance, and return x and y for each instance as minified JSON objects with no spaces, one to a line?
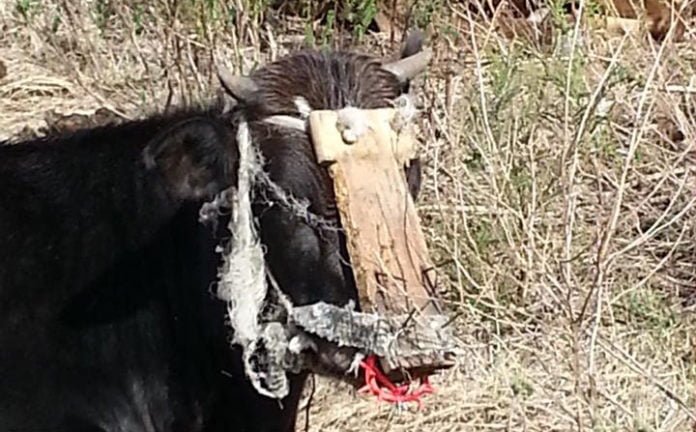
{"x":287,"y":122}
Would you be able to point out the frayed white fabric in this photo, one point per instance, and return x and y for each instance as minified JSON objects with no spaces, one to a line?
{"x":243,"y":276}
{"x":406,"y":111}
{"x":242,"y":279}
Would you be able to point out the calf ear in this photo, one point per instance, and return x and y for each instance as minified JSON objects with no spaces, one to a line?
{"x":193,"y":157}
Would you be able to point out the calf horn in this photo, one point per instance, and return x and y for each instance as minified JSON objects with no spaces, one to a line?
{"x":407,"y":68}
{"x":240,"y":87}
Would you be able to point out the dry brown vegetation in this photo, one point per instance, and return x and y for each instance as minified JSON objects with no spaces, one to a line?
{"x":558,"y":197}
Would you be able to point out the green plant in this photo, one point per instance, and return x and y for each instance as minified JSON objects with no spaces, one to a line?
{"x":25,"y":8}
{"x":359,"y":13}
{"x":424,"y":11}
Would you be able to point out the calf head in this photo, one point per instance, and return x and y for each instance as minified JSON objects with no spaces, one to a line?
{"x":305,"y":249}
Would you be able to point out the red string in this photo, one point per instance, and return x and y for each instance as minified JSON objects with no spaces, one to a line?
{"x":389,"y":392}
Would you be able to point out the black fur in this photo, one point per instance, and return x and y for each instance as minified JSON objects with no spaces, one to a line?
{"x":108,"y":319}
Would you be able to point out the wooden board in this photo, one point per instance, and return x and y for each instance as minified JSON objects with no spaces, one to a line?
{"x":387,"y":247}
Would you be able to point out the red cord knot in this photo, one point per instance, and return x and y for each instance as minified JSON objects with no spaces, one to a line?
{"x":378,"y":384}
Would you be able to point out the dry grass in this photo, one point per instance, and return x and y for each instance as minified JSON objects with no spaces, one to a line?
{"x":559,"y":199}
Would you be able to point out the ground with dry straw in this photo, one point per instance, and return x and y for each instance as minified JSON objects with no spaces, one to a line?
{"x":558,"y":197}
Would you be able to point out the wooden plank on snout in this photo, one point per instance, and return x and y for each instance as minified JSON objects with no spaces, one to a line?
{"x":388,"y":252}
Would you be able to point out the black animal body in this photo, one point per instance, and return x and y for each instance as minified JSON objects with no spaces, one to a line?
{"x":108,"y":316}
